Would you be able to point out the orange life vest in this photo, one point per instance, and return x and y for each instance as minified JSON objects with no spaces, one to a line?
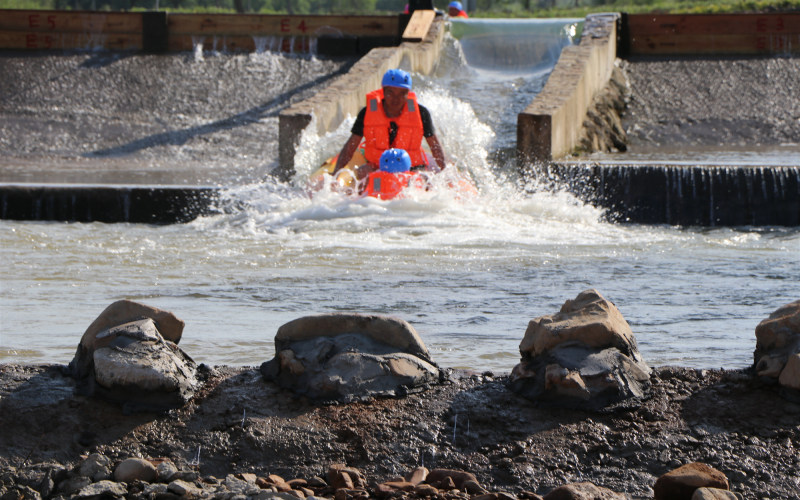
{"x":463,"y":14}
{"x":388,"y":185}
{"x":409,"y":130}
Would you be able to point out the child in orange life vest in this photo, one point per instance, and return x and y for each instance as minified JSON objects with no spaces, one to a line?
{"x":455,"y":9}
{"x":392,"y":118}
{"x":393,"y":176}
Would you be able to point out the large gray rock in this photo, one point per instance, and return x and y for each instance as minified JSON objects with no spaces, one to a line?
{"x":777,"y":354}
{"x":142,"y":370}
{"x":584,"y":356}
{"x":343,"y":357}
{"x":118,"y":313}
{"x":103,"y":489}
{"x":131,"y":362}
{"x":384,"y":329}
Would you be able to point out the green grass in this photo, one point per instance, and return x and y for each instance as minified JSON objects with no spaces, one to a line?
{"x":659,"y":6}
{"x":26,"y":4}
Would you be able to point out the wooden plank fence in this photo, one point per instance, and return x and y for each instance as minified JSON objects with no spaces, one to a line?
{"x":160,"y":31}
{"x":52,"y":30}
{"x":711,"y":34}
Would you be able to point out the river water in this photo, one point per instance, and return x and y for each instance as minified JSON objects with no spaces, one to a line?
{"x":468,"y":272}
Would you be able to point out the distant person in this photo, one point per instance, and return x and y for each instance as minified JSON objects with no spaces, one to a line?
{"x":405,"y":9}
{"x":455,"y":9}
{"x":392,"y":118}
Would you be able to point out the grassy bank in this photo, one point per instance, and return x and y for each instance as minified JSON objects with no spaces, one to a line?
{"x":639,"y":7}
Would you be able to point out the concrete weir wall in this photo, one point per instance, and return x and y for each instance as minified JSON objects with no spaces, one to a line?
{"x":345,"y":95}
{"x":685,"y":195}
{"x":139,"y":204}
{"x":550,"y":126}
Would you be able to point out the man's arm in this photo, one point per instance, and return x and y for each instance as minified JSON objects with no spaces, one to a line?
{"x":437,"y":151}
{"x":347,"y":152}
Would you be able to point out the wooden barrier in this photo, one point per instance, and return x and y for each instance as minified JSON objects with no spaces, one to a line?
{"x":160,"y":32}
{"x":49,"y":30}
{"x":289,"y":33}
{"x":257,"y":24}
{"x":710,"y":34}
{"x":419,"y":25}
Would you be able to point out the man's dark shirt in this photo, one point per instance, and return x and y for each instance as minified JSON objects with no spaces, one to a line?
{"x":424,"y":114}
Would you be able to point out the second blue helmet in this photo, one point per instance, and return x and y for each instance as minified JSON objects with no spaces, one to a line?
{"x":395,"y":160}
{"x":396,"y":78}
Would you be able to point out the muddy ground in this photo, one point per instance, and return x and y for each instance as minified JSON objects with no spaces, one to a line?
{"x":240,"y":423}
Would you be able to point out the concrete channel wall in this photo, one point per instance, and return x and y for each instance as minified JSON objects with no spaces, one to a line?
{"x":549,"y":129}
{"x":550,"y":126}
{"x":346,"y":95}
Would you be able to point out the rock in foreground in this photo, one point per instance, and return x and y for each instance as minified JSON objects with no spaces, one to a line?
{"x":777,"y":354}
{"x":124,"y":357}
{"x":584,"y":356}
{"x":345,"y":357}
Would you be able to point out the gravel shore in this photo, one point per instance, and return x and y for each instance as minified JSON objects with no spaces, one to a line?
{"x":241,"y":424}
{"x":713,"y":102}
{"x":169,"y":119}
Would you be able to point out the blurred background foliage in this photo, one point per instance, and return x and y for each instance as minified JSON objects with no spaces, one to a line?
{"x":476,"y":8}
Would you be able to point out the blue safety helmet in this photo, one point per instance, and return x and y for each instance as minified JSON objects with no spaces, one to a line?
{"x":396,"y":78}
{"x":395,"y":160}
{"x":456,"y":5}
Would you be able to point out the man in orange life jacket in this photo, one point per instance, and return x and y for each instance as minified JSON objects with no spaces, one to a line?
{"x":455,"y":9}
{"x":392,"y":119}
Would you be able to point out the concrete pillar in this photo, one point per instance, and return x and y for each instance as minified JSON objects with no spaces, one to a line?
{"x":155,"y":33}
{"x":550,"y":126}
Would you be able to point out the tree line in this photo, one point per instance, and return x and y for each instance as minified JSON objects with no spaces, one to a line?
{"x":476,"y":8}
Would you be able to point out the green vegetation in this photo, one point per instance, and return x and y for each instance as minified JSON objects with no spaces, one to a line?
{"x":476,"y":8}
{"x":580,"y":8}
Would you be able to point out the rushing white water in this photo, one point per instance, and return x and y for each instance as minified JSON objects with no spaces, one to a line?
{"x":467,"y":272}
{"x":468,"y":275}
